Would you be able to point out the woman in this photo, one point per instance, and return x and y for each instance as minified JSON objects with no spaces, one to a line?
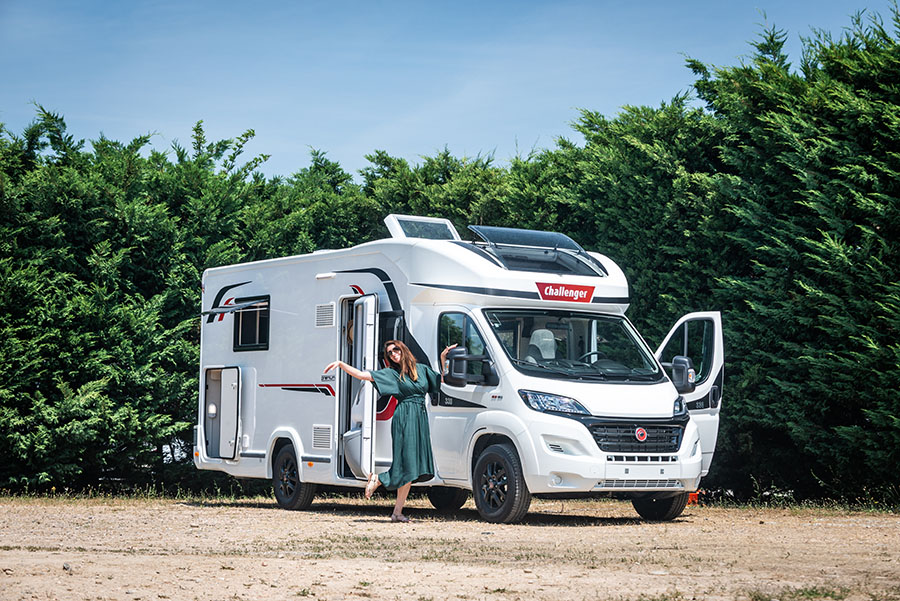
{"x":408,"y":381}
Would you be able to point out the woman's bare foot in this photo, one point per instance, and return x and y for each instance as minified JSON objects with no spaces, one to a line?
{"x":399,"y":517}
{"x":371,"y":485}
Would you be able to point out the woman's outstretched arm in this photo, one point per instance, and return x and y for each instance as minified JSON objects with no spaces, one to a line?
{"x":356,"y":373}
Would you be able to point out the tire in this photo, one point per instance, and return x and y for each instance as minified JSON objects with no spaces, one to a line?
{"x":447,"y":499}
{"x":290,"y":492}
{"x":661,"y":510}
{"x":501,"y":495}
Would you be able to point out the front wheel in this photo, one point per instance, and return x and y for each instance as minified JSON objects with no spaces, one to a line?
{"x":501,"y":495}
{"x":661,"y":510}
{"x":447,"y":499}
{"x":290,"y":492}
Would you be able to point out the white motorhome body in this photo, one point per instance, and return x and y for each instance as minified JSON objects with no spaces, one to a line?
{"x":551,"y":391}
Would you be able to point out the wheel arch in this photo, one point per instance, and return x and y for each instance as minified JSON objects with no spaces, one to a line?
{"x":277,"y":441}
{"x":499,"y":427}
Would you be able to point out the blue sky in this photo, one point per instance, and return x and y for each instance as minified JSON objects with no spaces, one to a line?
{"x":348,"y":78}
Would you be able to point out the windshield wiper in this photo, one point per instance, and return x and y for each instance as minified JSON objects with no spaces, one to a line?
{"x":592,"y":376}
{"x":633,"y":377}
{"x":561,"y":370}
{"x":557,"y":370}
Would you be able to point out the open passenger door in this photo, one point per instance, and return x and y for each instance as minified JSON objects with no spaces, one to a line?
{"x":365,"y":358}
{"x":698,"y":336}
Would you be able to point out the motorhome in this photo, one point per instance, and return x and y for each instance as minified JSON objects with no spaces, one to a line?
{"x":550,"y":391}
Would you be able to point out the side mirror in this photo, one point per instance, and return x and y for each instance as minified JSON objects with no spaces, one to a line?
{"x":683,"y":374}
{"x":459,"y":365}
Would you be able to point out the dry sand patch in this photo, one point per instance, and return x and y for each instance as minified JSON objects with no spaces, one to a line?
{"x":345,"y":548}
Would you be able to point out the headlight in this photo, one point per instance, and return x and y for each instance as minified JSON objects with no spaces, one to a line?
{"x":541,"y":401}
{"x":679,"y":408}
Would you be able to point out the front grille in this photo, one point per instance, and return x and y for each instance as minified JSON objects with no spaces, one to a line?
{"x":654,"y":484}
{"x":642,"y":458}
{"x":620,"y":438}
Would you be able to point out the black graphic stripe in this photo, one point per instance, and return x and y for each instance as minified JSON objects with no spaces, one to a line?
{"x":393,"y":297}
{"x":218,"y":299}
{"x":611,"y":300}
{"x":485,"y":291}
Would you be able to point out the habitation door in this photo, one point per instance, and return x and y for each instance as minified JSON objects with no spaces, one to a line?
{"x":699,"y":337}
{"x":222,"y":408}
{"x":365,"y":356}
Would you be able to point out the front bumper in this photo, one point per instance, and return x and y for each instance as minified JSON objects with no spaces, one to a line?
{"x":569,"y":458}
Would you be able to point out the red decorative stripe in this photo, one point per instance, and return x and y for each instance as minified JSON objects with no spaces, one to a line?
{"x":388,"y":412}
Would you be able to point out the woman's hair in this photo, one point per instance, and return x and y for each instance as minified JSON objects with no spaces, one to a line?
{"x":407,"y":364}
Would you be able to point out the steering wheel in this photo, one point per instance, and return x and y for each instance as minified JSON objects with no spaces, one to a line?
{"x":600,"y":355}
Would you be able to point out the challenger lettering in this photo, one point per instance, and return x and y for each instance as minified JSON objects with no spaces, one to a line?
{"x":565,"y":292}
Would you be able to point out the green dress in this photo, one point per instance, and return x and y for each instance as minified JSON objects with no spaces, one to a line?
{"x":412,"y":458}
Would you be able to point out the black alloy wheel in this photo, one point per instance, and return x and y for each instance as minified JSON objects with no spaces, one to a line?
{"x":501,"y":495}
{"x":290,"y":492}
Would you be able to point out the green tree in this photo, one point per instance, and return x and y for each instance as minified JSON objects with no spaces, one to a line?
{"x":814,"y":307}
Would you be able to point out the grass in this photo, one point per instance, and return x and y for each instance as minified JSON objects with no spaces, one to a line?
{"x":815,"y":593}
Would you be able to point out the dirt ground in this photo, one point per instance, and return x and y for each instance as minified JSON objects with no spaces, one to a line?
{"x":346,"y":548}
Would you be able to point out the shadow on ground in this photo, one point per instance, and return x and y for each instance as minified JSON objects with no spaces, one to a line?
{"x":377,"y":512}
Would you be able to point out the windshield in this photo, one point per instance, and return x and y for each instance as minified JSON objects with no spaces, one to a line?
{"x":570,"y":345}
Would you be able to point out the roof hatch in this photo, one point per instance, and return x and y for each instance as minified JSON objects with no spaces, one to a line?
{"x":516,"y":237}
{"x":412,"y":226}
{"x":537,"y":251}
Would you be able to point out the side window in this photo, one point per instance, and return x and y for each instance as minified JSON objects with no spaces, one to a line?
{"x":458,"y":328}
{"x":251,"y":324}
{"x":615,"y":344}
{"x":692,"y":339}
{"x":450,"y":330}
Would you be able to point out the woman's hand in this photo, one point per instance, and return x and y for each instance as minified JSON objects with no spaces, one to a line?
{"x":444,"y":355}
{"x":356,"y":373}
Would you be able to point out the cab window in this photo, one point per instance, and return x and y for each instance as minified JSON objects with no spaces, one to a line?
{"x":459,"y":329}
{"x":693,"y":339}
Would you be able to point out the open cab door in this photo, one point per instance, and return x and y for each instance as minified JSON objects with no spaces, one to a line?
{"x":698,"y":336}
{"x":365,"y":357}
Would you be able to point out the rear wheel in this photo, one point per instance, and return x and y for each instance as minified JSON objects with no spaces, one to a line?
{"x":661,"y":510}
{"x":447,"y":499}
{"x":290,"y":492}
{"x":501,"y":495}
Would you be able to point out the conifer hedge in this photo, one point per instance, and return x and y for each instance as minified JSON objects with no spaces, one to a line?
{"x":776,"y":202}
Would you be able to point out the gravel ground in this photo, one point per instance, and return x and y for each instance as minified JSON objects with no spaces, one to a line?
{"x":345,"y":548}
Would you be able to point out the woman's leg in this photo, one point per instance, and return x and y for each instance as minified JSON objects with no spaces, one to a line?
{"x":402,"y":492}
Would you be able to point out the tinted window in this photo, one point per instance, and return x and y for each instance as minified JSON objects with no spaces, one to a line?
{"x":693,"y":339}
{"x":251,"y":325}
{"x":458,"y":328}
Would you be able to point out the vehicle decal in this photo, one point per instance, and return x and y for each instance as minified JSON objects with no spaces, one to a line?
{"x":394,"y":302}
{"x":565,"y":292}
{"x":357,"y":289}
{"x":325,"y":389}
{"x":219,"y":295}
{"x":388,"y":411}
{"x":606,"y":300}
{"x":382,"y":275}
{"x":450,"y":401}
{"x":485,"y":291}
